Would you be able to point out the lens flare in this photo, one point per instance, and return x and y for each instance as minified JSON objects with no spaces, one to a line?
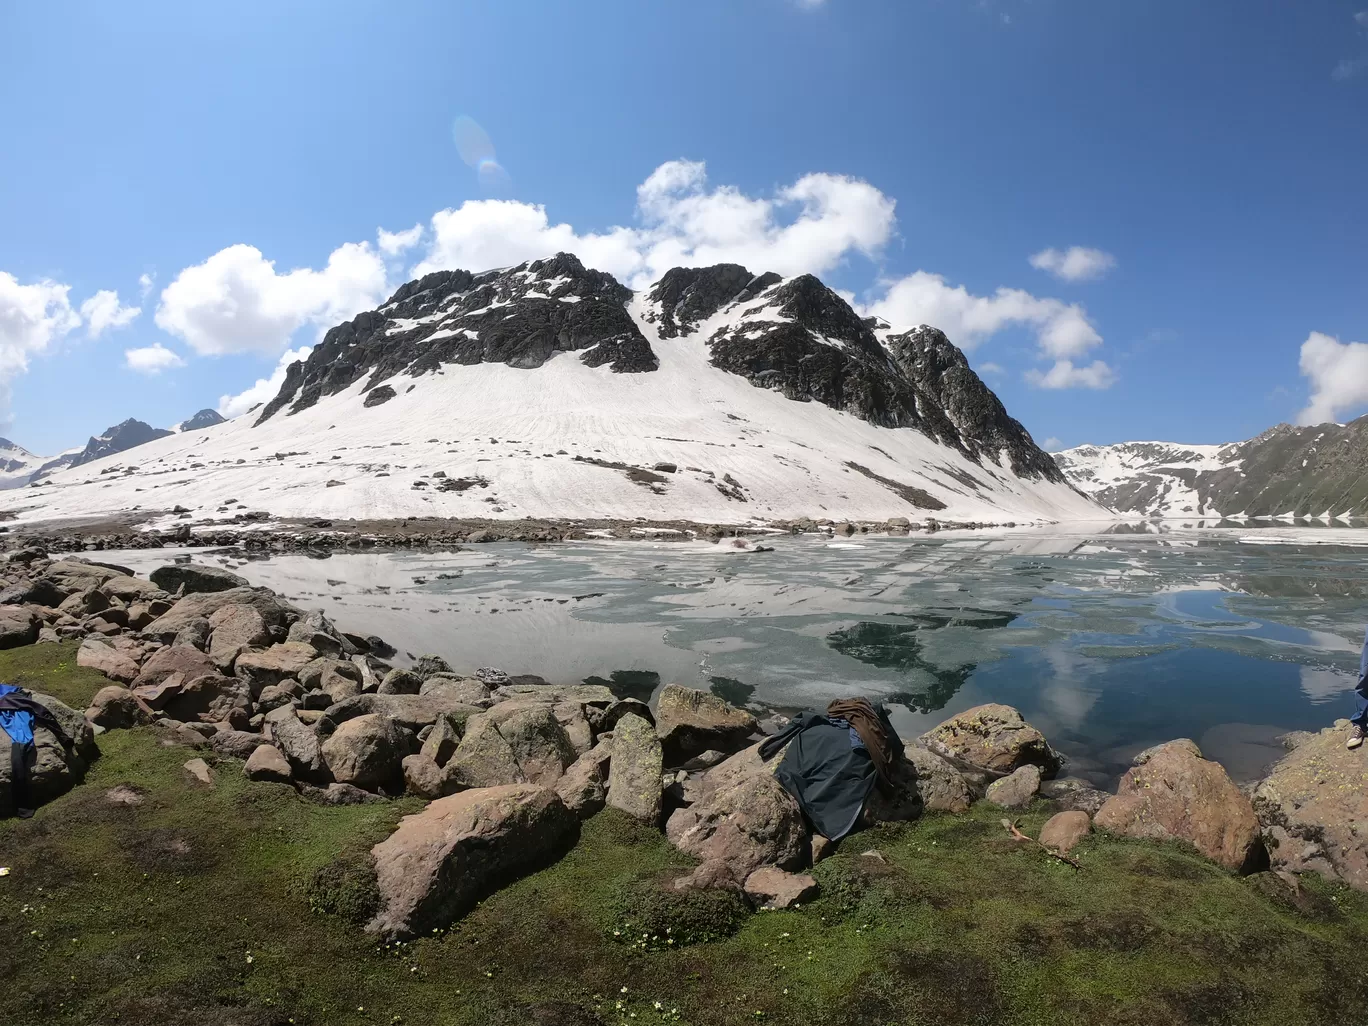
{"x":472,"y":141}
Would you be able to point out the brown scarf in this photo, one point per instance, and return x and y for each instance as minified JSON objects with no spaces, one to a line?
{"x":861,"y":715}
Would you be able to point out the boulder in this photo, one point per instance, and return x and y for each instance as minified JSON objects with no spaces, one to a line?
{"x":321,"y":641}
{"x":412,"y":712}
{"x":211,"y":698}
{"x":1177,"y":795}
{"x":194,"y":634}
{"x":1185,"y":744}
{"x":427,"y":665}
{"x":274,"y":696}
{"x":311,"y":676}
{"x":690,"y":722}
{"x":483,"y":758}
{"x":236,"y":628}
{"x":634,"y":784}
{"x":606,"y":718}
{"x":19,"y":625}
{"x":584,"y":787}
{"x":267,"y":763}
{"x":202,"y":605}
{"x":1072,"y":794}
{"x":1063,"y":830}
{"x":129,"y":589}
{"x":70,"y":576}
{"x":194,"y":578}
{"x":940,"y":786}
{"x":423,"y":777}
{"x":994,"y":739}
{"x":400,"y":682}
{"x":458,"y":850}
{"x":1312,"y":807}
{"x":466,"y":690}
{"x":1015,"y":790}
{"x":442,"y":741}
{"x":99,"y":654}
{"x":752,"y":823}
{"x":83,"y":603}
{"x":575,"y":723}
{"x":235,"y":744}
{"x":367,"y":752}
{"x":538,"y":741}
{"x":174,"y":659}
{"x":272,"y":665}
{"x":299,"y":744}
{"x":115,"y":707}
{"x":770,"y":887}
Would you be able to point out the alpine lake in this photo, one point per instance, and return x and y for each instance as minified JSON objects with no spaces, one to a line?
{"x":1108,"y":638}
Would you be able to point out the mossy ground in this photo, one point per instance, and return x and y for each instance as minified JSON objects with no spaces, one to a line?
{"x":238,"y":906}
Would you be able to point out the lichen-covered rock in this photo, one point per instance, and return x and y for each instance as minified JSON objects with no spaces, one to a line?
{"x":423,"y":777}
{"x":940,"y":786}
{"x":274,"y":696}
{"x":1312,"y":808}
{"x":299,"y":744}
{"x":441,"y":744}
{"x":130,"y":589}
{"x":634,"y":784}
{"x":483,"y":758}
{"x":400,"y":682}
{"x":458,"y":850}
{"x":1015,"y":790}
{"x":584,"y":787}
{"x":752,"y":823}
{"x":1176,"y":795}
{"x":992,"y":738}
{"x":19,"y":625}
{"x":538,"y":741}
{"x":211,"y":698}
{"x":367,"y":752}
{"x":690,"y":721}
{"x":203,"y":605}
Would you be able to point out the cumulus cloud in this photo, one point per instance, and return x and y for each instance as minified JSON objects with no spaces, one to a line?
{"x":237,"y":302}
{"x":145,"y":282}
{"x":991,"y":368}
{"x":32,"y":317}
{"x":809,"y":226}
{"x":1063,"y":331}
{"x":152,"y":359}
{"x":394,"y":243}
{"x":1077,"y":263}
{"x":103,"y":312}
{"x":265,"y":389}
{"x":1052,"y":444}
{"x":1338,"y":375}
{"x":1065,"y":375}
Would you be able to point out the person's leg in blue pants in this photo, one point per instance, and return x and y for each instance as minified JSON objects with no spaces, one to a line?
{"x":1359,"y":721}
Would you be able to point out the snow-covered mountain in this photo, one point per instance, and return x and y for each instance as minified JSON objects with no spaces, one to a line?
{"x":17,"y":464}
{"x":1317,"y":472}
{"x":551,"y":390}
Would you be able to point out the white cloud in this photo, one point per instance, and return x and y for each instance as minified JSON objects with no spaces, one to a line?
{"x":1361,"y":20}
{"x":1338,"y":374}
{"x":102,"y":312}
{"x":237,"y":302}
{"x":265,"y":389}
{"x":809,"y":5}
{"x":1063,"y":331}
{"x":152,"y":359}
{"x":809,"y":226}
{"x":394,"y":243}
{"x":991,"y":368}
{"x":1052,"y":444}
{"x":1077,"y":263}
{"x":1323,"y":684}
{"x":145,"y":282}
{"x":31,"y":318}
{"x":1065,"y":375}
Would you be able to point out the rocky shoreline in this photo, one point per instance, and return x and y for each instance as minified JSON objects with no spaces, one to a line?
{"x":258,"y":531}
{"x":510,"y":767}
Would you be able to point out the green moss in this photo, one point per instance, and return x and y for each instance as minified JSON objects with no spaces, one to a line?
{"x":52,"y":670}
{"x":238,"y":905}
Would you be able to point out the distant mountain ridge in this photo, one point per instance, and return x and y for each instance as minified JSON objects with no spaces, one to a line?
{"x":1319,"y":471}
{"x":550,"y":390}
{"x":19,"y":467}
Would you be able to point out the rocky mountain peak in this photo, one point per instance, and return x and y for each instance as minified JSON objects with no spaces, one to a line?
{"x":204,"y":419}
{"x":687,"y":295}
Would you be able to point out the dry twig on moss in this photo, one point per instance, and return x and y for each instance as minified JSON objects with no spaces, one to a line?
{"x":1017,"y":835}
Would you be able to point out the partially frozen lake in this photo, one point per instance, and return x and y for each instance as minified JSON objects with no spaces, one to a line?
{"x":1108,"y":642}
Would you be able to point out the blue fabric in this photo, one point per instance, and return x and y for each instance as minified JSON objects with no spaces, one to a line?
{"x":1361,"y":688}
{"x":16,"y":723}
{"x":855,"y":740}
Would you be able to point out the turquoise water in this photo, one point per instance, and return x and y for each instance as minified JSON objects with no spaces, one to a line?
{"x":1108,"y":642}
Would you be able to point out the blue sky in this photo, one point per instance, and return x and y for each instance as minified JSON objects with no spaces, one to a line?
{"x":1213,"y":154}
